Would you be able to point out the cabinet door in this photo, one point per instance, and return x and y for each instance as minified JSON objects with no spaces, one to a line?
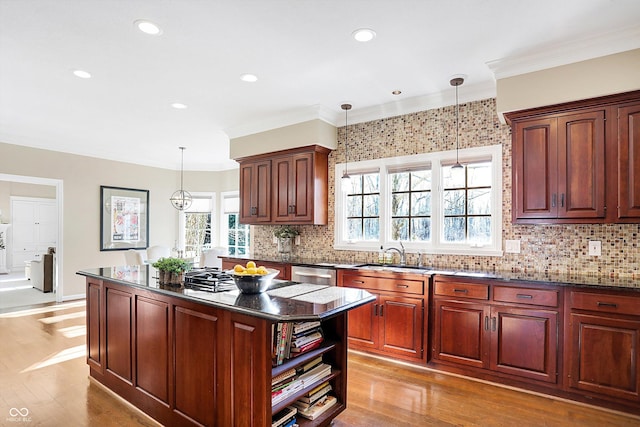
{"x":581,"y":162}
{"x":462,"y":333}
{"x":401,"y":325}
{"x":362,"y":329}
{"x":293,"y":188}
{"x":629,"y":161}
{"x":535,"y":166}
{"x":524,"y":343}
{"x":603,"y":356}
{"x":255,"y":192}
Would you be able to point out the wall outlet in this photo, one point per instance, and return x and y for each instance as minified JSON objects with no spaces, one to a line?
{"x":275,"y":240}
{"x":595,"y":247}
{"x":512,"y":246}
{"x":297,"y":240}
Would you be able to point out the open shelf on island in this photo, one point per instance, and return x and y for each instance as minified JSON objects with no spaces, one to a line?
{"x":303,"y":358}
{"x":294,"y":396}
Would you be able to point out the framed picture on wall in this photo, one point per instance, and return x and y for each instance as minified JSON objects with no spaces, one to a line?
{"x":124,"y":218}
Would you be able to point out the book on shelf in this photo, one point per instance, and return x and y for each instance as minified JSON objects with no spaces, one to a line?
{"x":312,"y":398}
{"x":290,"y":339}
{"x":284,"y":417}
{"x":315,"y":374}
{"x":290,"y":373}
{"x":309,"y":365}
{"x":300,"y":327}
{"x":297,"y":351}
{"x":318,"y":409}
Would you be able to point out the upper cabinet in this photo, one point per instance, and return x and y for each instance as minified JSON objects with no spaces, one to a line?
{"x":285,"y":187}
{"x":577,"y":162}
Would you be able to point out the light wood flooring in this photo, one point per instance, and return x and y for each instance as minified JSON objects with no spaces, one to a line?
{"x":43,"y":372}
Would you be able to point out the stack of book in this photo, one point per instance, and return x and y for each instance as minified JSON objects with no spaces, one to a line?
{"x":316,"y":402}
{"x":293,"y":380}
{"x":284,"y":418}
{"x":292,"y":339}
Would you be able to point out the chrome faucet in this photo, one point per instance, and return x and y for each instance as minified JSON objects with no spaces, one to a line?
{"x":403,"y":257}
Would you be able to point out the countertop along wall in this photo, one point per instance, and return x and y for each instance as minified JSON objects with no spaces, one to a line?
{"x":544,"y":248}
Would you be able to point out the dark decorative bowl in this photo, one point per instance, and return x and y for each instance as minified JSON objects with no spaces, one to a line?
{"x":253,"y":283}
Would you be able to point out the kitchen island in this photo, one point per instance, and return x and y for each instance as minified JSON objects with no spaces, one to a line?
{"x":191,"y":357}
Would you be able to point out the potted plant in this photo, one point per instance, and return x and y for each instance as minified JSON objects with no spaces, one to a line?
{"x":171,"y":270}
{"x":285,"y":235}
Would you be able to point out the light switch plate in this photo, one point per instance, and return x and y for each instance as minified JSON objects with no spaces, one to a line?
{"x":512,"y":246}
{"x":595,"y":247}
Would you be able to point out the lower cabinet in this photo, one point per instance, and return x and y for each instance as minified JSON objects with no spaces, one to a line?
{"x":501,"y":329}
{"x":603,"y":346}
{"x":395,"y":323}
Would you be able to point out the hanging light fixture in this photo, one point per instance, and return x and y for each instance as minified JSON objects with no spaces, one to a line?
{"x":346,"y":179}
{"x":457,"y":81}
{"x":181,"y":199}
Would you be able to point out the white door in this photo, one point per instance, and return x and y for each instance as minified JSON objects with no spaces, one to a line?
{"x":35,"y":228}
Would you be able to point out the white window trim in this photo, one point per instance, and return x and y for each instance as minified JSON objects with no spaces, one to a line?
{"x":182,"y":221}
{"x":435,"y":161}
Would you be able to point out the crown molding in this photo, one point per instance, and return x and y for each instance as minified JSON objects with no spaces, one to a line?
{"x":594,"y":46}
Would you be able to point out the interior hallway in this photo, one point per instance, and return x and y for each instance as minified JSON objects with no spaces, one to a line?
{"x":44,"y":375}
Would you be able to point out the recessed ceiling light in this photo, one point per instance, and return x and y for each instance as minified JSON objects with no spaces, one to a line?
{"x":364,"y":34}
{"x":82,"y":74}
{"x":148,"y":27}
{"x":249,"y":78}
{"x":179,"y":105}
{"x":396,"y":92}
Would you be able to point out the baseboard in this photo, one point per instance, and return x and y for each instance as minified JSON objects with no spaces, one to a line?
{"x":73,"y":297}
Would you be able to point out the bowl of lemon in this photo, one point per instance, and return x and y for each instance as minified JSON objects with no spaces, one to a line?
{"x":251,"y":279}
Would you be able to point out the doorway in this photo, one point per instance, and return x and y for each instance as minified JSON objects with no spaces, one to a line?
{"x":59,"y":268}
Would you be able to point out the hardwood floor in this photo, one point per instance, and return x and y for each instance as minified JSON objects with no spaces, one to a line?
{"x":43,"y":370}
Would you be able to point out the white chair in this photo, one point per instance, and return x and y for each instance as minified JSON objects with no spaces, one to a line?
{"x":154,"y":253}
{"x":209,"y":257}
{"x":133,"y":257}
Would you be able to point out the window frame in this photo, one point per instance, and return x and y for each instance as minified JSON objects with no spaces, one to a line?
{"x":223,"y":240}
{"x":435,"y":161}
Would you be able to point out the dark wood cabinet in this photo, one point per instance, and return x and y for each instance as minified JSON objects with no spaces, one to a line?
{"x":394,"y":324}
{"x":603,"y":345}
{"x":285,"y":187}
{"x":559,"y":166}
{"x":577,"y":162}
{"x":510,"y":330}
{"x":255,"y":192}
{"x":629,"y":161}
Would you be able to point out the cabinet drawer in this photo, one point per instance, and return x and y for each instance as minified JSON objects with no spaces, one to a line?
{"x":462,"y":290}
{"x":542,"y":297}
{"x":605,"y":303}
{"x":384,"y":284}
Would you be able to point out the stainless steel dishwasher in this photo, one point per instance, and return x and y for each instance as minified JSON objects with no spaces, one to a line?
{"x":314,"y":275}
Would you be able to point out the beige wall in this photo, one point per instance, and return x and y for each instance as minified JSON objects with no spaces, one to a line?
{"x":82,"y":178}
{"x":602,"y":76}
{"x":312,"y":132}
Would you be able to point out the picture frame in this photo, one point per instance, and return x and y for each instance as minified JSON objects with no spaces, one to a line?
{"x":124,"y":218}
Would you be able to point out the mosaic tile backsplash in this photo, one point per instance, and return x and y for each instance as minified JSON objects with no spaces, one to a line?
{"x":544,"y":248}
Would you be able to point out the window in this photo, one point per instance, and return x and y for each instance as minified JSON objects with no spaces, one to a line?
{"x":363,"y":207}
{"x":424,"y":202}
{"x":411,"y":205}
{"x":467,"y":203}
{"x":236,"y":236}
{"x":197,"y":226}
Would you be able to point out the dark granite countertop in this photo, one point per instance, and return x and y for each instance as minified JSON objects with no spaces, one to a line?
{"x":284,"y":301}
{"x":544,"y":277}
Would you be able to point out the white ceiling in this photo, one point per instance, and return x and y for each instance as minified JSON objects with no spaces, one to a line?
{"x":301,"y":50}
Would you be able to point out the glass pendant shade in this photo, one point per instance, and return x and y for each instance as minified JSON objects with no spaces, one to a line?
{"x":181,"y":199}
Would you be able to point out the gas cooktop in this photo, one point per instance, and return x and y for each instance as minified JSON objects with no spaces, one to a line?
{"x":209,"y":279}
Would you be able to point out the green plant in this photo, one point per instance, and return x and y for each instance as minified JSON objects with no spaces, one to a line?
{"x":285,"y":232}
{"x":172,"y":265}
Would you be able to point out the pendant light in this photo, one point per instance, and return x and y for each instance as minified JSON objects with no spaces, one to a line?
{"x":181,"y":199}
{"x":346,"y":179}
{"x":457,"y":81}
